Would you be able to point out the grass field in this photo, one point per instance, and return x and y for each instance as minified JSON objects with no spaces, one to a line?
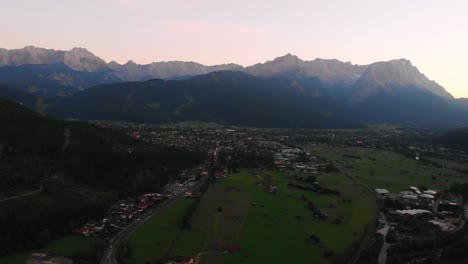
{"x":269,"y":231}
{"x":389,"y":170}
{"x":272,"y":232}
{"x":156,"y":238}
{"x":235,"y":204}
{"x":62,"y":247}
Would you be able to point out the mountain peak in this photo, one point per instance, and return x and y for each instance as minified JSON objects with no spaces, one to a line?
{"x":83,"y":60}
{"x":401,"y":62}
{"x":288,"y":58}
{"x":30,"y":47}
{"x":79,"y":50}
{"x":130,"y":62}
{"x":390,"y":75}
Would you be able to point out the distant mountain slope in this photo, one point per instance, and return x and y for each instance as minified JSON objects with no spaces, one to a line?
{"x":383,"y":92}
{"x":224,"y":97}
{"x":462,"y":103}
{"x":19,"y":96}
{"x":411,"y":106}
{"x":165,"y":70}
{"x":52,"y":79}
{"x":455,"y":139}
{"x":328,"y":71}
{"x":78,"y":59}
{"x":385,"y":76}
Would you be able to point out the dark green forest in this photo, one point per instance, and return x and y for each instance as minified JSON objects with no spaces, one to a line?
{"x":77,"y":181}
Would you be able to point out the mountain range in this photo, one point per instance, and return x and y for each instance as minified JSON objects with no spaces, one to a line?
{"x":285,"y":91}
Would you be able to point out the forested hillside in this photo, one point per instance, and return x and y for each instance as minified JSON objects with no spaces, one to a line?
{"x":76,"y":181}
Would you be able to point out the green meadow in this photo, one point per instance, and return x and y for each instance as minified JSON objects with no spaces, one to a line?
{"x":390,"y":170}
{"x":158,"y":236}
{"x":266,"y":227}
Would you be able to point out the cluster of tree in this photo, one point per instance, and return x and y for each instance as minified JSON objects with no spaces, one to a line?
{"x":455,"y":139}
{"x":314,"y":188}
{"x":391,"y":203}
{"x":311,"y":179}
{"x":92,"y":255}
{"x":329,"y":168}
{"x":371,"y":253}
{"x":193,"y":207}
{"x":32,"y":222}
{"x":452,"y":246}
{"x":311,"y":207}
{"x":460,"y":189}
{"x":124,"y":253}
{"x":351,"y":156}
{"x":249,"y":159}
{"x":456,"y":251}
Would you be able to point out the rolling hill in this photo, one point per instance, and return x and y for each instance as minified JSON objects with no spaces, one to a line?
{"x":50,"y":80}
{"x":228,"y":97}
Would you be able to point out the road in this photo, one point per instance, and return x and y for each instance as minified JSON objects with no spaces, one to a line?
{"x":370,"y":231}
{"x":383,"y":251}
{"x":41,"y":187}
{"x":199,"y":255}
{"x":109,"y":256}
{"x":23,"y":195}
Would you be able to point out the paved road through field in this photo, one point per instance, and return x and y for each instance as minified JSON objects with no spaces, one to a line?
{"x":109,"y":256}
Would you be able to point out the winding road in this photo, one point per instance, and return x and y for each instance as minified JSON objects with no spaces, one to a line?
{"x":109,"y":256}
{"x":23,"y":195}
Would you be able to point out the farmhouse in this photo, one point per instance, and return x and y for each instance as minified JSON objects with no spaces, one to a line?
{"x":382,"y":192}
{"x":415,"y":189}
{"x":413,"y":212}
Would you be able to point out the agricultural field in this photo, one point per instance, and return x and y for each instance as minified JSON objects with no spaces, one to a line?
{"x":62,"y":247}
{"x":159,"y":235}
{"x":275,"y":227}
{"x":449,"y":164}
{"x":389,"y":170}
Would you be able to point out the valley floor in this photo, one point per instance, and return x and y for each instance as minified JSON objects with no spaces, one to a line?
{"x":240,"y":215}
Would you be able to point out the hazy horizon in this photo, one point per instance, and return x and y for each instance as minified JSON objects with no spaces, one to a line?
{"x":431,"y":34}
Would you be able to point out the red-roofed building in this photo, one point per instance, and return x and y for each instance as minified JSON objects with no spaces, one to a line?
{"x":233,"y":248}
{"x":83,"y":231}
{"x":127,"y":215}
{"x":144,"y":205}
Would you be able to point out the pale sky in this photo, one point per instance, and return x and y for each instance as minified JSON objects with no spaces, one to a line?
{"x":432,"y":34}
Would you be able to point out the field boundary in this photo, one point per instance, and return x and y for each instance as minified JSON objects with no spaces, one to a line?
{"x":372,"y":226}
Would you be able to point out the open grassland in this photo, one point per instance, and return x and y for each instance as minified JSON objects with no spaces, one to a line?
{"x":449,"y":164}
{"x":155,"y":238}
{"x":62,"y":247}
{"x":221,"y":214}
{"x":188,"y":244}
{"x":274,"y":228}
{"x":386,"y":169}
{"x":273,"y":233}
